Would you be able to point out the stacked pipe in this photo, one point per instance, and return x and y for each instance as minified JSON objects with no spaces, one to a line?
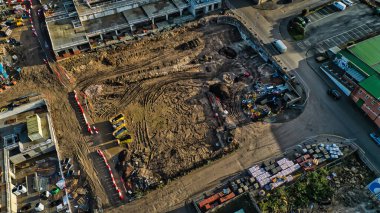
{"x":120,"y":194}
{"x":89,"y":129}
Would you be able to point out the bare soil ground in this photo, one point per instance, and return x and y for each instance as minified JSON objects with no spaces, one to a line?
{"x":161,"y":90}
{"x":160,"y":87}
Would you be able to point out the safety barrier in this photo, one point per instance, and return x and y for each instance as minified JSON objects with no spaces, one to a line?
{"x":95,"y":130}
{"x":89,"y":129}
{"x":120,"y":194}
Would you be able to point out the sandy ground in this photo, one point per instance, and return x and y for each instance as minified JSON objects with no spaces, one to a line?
{"x":260,"y":145}
{"x":161,"y":90}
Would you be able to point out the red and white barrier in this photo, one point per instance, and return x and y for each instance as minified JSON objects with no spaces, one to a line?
{"x":95,"y":130}
{"x":120,"y":194}
{"x":82,"y":111}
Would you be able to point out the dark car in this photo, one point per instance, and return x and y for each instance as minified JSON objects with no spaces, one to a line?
{"x":306,"y":19}
{"x":334,"y":93}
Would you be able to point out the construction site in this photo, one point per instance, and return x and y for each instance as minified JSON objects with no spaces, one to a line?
{"x":135,"y":116}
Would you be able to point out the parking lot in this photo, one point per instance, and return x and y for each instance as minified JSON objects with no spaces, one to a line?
{"x":326,"y":12}
{"x":329,"y":27}
{"x":351,"y":35}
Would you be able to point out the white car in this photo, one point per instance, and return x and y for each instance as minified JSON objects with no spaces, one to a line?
{"x":339,"y":5}
{"x":348,"y":2}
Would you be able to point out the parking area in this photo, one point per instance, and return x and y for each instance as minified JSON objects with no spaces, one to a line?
{"x":351,"y":35}
{"x":327,"y":11}
{"x":321,"y":14}
{"x":329,"y":28}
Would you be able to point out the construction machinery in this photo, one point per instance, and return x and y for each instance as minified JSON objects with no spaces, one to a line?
{"x":125,"y":140}
{"x":119,"y":133}
{"x":117,"y":119}
{"x":120,"y":130}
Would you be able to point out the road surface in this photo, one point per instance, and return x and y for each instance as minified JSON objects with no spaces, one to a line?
{"x":322,"y":114}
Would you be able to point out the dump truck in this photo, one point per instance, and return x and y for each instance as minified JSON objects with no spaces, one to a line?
{"x":117,"y":119}
{"x":118,"y":125}
{"x":119,"y":133}
{"x":126,"y":139}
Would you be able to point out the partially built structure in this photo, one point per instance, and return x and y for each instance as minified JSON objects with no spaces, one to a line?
{"x":30,"y":165}
{"x":78,"y":25}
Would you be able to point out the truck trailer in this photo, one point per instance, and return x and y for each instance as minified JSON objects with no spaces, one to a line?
{"x":280,"y":46}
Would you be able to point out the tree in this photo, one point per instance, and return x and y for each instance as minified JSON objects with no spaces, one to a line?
{"x":298,"y":28}
{"x":305,"y":12}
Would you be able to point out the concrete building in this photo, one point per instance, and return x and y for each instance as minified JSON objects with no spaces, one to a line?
{"x":28,"y":156}
{"x":78,"y":25}
{"x":360,"y":65}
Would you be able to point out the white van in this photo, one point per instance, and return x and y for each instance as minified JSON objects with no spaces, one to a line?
{"x":348,"y":2}
{"x":339,"y":5}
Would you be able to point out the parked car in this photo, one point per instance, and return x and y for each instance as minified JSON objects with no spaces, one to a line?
{"x":375,"y":137}
{"x":339,"y":5}
{"x":348,"y":2}
{"x":334,"y":94}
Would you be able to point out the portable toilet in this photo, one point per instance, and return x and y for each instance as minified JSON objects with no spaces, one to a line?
{"x":15,"y":191}
{"x":21,"y":189}
{"x":45,"y":194}
{"x":39,"y":207}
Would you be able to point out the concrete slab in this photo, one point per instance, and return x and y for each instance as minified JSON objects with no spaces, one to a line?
{"x":161,"y":8}
{"x":135,"y":15}
{"x":63,"y":34}
{"x":181,"y":4}
{"x":105,"y":24}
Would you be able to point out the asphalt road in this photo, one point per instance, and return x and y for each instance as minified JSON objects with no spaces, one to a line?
{"x":322,"y":115}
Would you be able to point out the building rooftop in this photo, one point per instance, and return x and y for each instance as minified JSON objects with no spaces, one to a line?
{"x":180,"y":3}
{"x":357,"y":63}
{"x":135,"y":15}
{"x":30,"y":164}
{"x":159,"y":9}
{"x":365,"y":58}
{"x":372,"y":85}
{"x":369,"y":52}
{"x":106,"y":22}
{"x":62,"y":34}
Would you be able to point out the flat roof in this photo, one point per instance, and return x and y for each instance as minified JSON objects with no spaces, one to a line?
{"x":99,"y":7}
{"x":32,"y":123}
{"x":372,"y":85}
{"x":180,"y":3}
{"x":160,"y":8}
{"x":63,"y":34}
{"x":135,"y":15}
{"x":369,"y":52}
{"x":104,"y":22}
{"x":357,"y":63}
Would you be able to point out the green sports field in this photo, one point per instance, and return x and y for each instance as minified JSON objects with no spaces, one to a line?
{"x":369,"y":52}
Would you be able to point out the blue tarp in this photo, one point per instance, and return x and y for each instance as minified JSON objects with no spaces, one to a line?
{"x":3,"y":72}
